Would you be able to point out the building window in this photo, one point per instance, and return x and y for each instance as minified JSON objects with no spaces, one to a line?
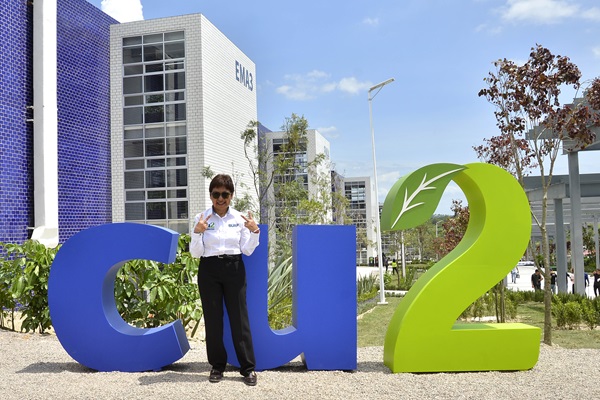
{"x":155,"y":130}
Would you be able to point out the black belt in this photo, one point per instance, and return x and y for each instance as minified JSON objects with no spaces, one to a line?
{"x":226,"y":256}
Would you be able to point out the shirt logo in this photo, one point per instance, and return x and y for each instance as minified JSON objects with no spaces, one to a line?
{"x":211,"y":226}
{"x":234,"y":225}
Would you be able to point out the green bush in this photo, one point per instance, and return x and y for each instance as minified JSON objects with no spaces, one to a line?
{"x":559,"y":312}
{"x":573,"y":314}
{"x":24,"y":272}
{"x":147,"y":293}
{"x":589,"y":313}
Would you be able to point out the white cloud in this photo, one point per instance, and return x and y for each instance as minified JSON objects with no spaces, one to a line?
{"x":596,"y":51}
{"x":315,"y":82}
{"x":592,"y":14}
{"x":539,"y":11}
{"x":123,"y":10}
{"x":352,"y":85}
{"x":371,"y":21}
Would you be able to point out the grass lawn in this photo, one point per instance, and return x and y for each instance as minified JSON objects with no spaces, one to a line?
{"x":373,"y":324}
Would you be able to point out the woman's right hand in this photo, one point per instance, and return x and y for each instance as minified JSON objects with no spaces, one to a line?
{"x":202,"y":224}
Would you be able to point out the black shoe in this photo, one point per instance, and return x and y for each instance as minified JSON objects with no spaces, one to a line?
{"x":215,"y":376}
{"x":250,"y":379}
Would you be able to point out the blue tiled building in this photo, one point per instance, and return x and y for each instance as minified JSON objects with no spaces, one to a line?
{"x":83,"y":95}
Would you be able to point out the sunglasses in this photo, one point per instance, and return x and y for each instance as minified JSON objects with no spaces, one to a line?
{"x":224,"y":195}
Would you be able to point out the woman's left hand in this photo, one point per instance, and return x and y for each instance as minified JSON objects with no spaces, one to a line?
{"x":250,"y":223}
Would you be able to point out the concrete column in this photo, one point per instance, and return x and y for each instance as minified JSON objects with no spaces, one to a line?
{"x":45,"y":128}
{"x":561,"y":247}
{"x":576,"y":222}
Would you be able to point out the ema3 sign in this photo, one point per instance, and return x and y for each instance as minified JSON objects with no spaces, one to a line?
{"x":421,"y":337}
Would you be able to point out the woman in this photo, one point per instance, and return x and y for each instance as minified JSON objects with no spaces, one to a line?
{"x":220,"y":236}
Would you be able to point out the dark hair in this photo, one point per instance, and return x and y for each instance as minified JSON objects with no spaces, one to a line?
{"x":221,"y":180}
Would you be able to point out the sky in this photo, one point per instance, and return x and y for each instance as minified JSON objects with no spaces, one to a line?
{"x":318,"y":59}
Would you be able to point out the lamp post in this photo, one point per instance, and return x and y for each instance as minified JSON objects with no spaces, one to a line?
{"x":377,"y":219}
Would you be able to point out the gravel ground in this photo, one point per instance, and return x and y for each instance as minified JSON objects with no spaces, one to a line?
{"x":36,"y":366}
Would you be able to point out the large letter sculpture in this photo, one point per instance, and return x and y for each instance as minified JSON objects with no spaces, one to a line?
{"x":423,"y":335}
{"x":324,"y":302}
{"x":82,"y":302}
{"x":88,"y":325}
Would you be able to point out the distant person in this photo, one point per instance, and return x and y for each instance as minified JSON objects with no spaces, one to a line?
{"x":586,"y":280}
{"x":553,"y":286}
{"x":596,"y":274}
{"x":514,"y":274}
{"x":536,"y":280}
{"x":394,"y":266}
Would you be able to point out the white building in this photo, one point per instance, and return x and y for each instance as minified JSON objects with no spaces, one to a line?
{"x":361,"y":208}
{"x":181,"y":94}
{"x":315,"y":145}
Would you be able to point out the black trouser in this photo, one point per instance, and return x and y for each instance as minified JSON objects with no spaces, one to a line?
{"x":224,"y":279}
{"x":596,"y":289}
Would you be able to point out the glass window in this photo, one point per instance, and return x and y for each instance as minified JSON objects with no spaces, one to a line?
{"x":155,"y":163}
{"x":178,"y":209}
{"x":136,"y":133}
{"x":176,"y":130}
{"x":155,"y":98}
{"x":155,"y":179}
{"x":176,"y":193}
{"x":133,"y":69}
{"x":132,"y":85}
{"x":172,"y":65}
{"x":176,"y":161}
{"x":174,"y":36}
{"x":134,"y":211}
{"x":132,"y":55}
{"x":133,"y":115}
{"x":175,"y":81}
{"x":155,"y":147}
{"x":174,"y":50}
{"x":134,"y":148}
{"x":134,"y":164}
{"x":179,"y":226}
{"x":175,"y":112}
{"x":132,"y":40}
{"x":153,"y":52}
{"x":158,"y":67}
{"x":154,"y":114}
{"x":177,"y":145}
{"x":175,"y":96}
{"x":156,"y":194}
{"x":155,"y":131}
{"x":132,"y":195}
{"x":153,"y":83}
{"x":134,"y":100}
{"x":134,"y":180}
{"x":176,"y":177}
{"x":156,"y":210}
{"x":156,"y":38}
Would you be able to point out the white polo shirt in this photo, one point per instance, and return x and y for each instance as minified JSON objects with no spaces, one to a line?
{"x":226,"y":235}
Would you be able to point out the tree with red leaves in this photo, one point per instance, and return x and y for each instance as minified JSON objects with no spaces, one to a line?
{"x":533,"y":124}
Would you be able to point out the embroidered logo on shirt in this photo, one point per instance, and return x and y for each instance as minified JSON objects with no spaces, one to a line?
{"x":234,"y":225}
{"x":211,"y":226}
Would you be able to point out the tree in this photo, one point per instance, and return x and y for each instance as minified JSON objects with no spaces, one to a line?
{"x":283,"y":175}
{"x":533,"y":124}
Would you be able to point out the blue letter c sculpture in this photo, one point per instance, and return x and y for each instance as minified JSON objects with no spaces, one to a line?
{"x":82,"y":303}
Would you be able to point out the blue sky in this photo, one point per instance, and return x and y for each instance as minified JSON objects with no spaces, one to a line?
{"x":318,"y":59}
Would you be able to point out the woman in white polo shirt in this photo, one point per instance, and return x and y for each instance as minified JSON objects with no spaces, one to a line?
{"x":221,"y":234}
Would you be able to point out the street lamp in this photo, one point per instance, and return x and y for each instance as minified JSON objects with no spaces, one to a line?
{"x":377,"y":220}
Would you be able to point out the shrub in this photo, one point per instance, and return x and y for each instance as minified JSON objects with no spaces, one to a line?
{"x":24,"y":275}
{"x":573,"y":314}
{"x":559,"y":312}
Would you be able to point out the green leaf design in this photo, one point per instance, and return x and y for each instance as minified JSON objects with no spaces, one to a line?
{"x":414,"y":198}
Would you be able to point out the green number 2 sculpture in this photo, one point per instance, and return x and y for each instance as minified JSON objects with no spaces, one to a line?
{"x":423,"y":335}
